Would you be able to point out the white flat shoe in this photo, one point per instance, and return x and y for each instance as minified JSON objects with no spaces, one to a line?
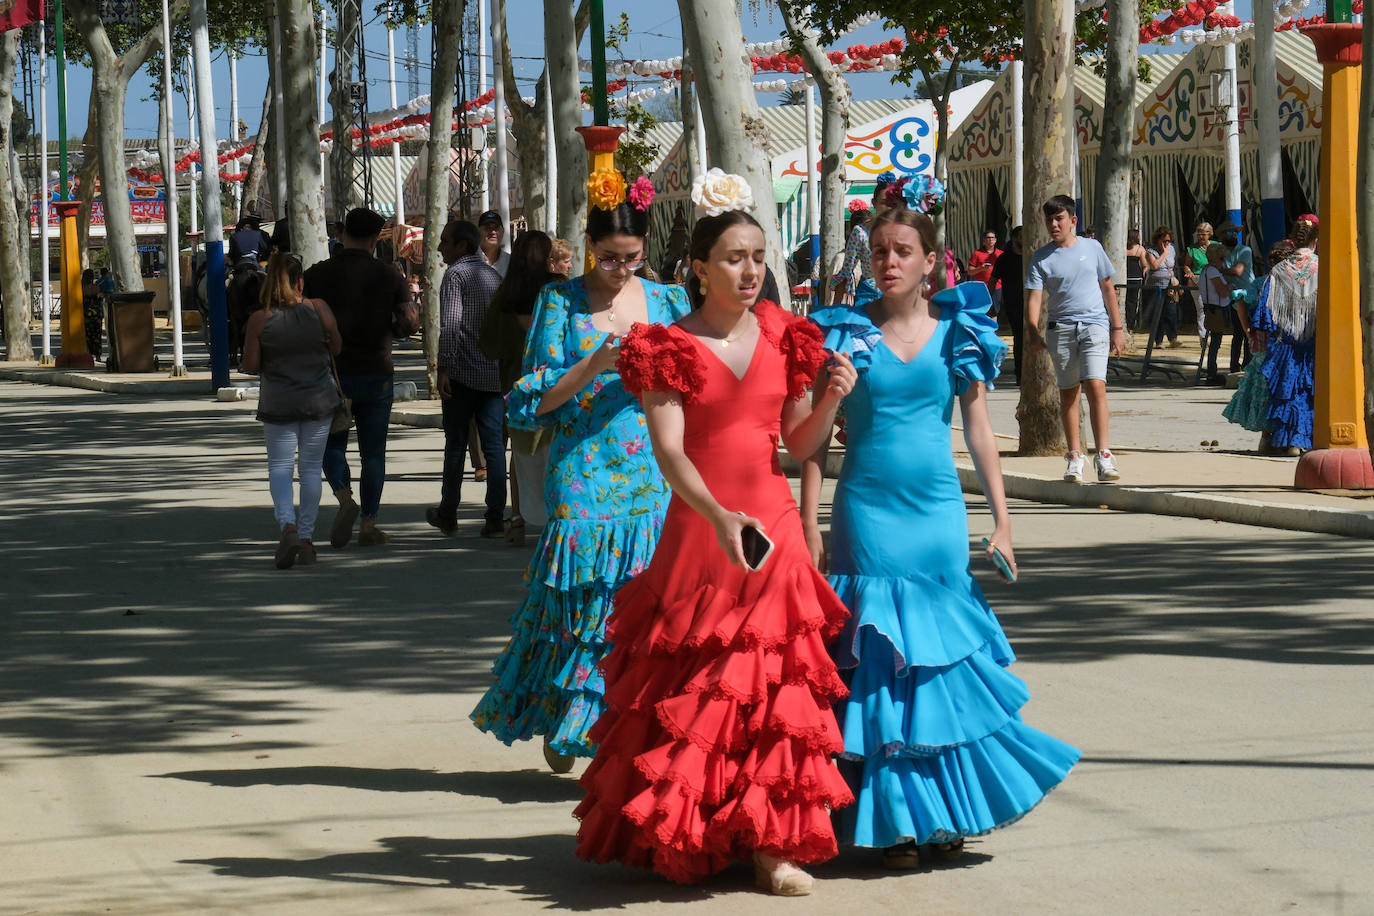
{"x":780,"y":877}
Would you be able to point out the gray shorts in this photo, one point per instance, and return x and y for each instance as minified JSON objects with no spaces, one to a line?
{"x":1079,"y":351}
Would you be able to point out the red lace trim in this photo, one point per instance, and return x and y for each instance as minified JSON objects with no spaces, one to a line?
{"x":657,"y":358}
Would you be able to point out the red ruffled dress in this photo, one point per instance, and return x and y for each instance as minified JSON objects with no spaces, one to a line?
{"x":718,"y":736}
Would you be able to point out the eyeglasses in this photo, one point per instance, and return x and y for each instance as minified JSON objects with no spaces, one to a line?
{"x":617,"y":263}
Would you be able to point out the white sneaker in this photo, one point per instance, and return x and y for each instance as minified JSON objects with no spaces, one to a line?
{"x":1105,"y":464}
{"x":1074,"y":469}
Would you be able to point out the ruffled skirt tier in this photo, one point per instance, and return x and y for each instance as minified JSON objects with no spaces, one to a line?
{"x":1249,"y":406}
{"x":547,"y":678}
{"x":718,"y":736}
{"x":1291,"y":371}
{"x":934,"y":746}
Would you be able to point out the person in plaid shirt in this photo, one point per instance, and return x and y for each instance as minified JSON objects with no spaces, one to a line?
{"x":469,"y":383}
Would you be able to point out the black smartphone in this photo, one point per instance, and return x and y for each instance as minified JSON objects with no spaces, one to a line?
{"x":757,"y":547}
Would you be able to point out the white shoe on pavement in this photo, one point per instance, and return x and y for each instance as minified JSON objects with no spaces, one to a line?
{"x":1074,"y":469}
{"x":1105,"y":465}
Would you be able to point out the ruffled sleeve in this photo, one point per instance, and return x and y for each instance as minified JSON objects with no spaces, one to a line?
{"x":803,"y":347}
{"x":657,"y":358}
{"x":847,"y":330}
{"x":977,"y":351}
{"x":545,"y":363}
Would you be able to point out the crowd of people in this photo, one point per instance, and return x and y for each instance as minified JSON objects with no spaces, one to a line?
{"x":743,"y":689}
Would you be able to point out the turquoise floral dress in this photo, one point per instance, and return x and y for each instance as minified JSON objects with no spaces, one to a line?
{"x":606,"y":500}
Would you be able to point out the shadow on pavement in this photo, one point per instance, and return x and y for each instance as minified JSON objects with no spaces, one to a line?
{"x":519,"y":863}
{"x":507,"y":786}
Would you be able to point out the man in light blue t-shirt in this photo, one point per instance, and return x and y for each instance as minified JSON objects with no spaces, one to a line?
{"x":1072,"y":277}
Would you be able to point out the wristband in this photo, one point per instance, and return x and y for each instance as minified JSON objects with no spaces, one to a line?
{"x":1119,"y":328}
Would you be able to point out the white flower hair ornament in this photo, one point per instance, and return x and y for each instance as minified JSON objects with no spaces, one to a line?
{"x":719,"y":192}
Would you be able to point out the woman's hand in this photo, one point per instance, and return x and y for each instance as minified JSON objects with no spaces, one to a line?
{"x":1001,"y":540}
{"x":603,"y":359}
{"x":728,"y":525}
{"x":815,"y":546}
{"x":841,"y":378}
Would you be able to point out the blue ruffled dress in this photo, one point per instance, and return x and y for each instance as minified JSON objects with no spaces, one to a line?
{"x":934,"y":745}
{"x":1290,"y":368}
{"x":606,"y":500}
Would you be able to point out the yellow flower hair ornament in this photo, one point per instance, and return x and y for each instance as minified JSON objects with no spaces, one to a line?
{"x":606,"y":188}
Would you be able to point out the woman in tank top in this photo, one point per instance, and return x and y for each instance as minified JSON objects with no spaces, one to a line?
{"x":291,"y":342}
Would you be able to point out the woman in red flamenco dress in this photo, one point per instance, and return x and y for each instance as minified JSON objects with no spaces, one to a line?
{"x":718,"y":738}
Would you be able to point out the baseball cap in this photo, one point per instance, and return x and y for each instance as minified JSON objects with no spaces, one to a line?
{"x":363,"y":223}
{"x":490,"y":216}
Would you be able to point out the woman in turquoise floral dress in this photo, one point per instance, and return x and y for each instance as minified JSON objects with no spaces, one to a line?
{"x":604,"y":494}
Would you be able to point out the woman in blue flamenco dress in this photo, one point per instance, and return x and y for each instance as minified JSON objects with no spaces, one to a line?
{"x":934,"y":746}
{"x":1287,"y":322}
{"x":604,"y":494}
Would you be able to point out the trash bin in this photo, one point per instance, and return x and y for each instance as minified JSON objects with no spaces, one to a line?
{"x":131,"y":332}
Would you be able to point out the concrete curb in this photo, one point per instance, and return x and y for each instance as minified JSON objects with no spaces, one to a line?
{"x":1316,"y":519}
{"x":193,"y":386}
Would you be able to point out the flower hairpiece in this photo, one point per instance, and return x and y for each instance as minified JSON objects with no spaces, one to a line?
{"x":925,"y":194}
{"x":606,"y":188}
{"x":893,"y":197}
{"x":641,"y":193}
{"x":859,"y":206}
{"x":718,"y":192}
{"x":884,"y":179}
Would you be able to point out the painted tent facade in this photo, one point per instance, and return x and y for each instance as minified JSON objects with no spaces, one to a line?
{"x":1179,"y":145}
{"x":1180,"y":138}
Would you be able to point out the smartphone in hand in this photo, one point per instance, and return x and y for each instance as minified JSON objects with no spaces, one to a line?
{"x":1000,"y":562}
{"x":757,"y":547}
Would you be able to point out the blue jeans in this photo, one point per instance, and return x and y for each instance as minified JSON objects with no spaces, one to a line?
{"x":371,"y":396}
{"x":488,"y":409}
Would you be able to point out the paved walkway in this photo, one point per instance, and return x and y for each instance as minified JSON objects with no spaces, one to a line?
{"x":1158,"y":430}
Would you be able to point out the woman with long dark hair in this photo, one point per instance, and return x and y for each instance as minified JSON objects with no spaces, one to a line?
{"x":717,"y":741}
{"x":604,"y":491}
{"x":292,"y":341}
{"x":503,"y":339}
{"x":934,"y":748}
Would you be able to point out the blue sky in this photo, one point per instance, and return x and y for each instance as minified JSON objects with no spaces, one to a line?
{"x":655,"y":24}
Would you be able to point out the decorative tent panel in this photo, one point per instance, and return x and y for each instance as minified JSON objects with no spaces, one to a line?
{"x":985,"y":136}
{"x":901,"y":141}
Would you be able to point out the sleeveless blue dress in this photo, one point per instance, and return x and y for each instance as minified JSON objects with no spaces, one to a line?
{"x":606,"y":500}
{"x":934,"y":746}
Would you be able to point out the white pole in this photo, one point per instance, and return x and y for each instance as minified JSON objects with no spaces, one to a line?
{"x":1018,"y":146}
{"x":214,"y":218}
{"x":234,"y":133}
{"x":813,"y":190}
{"x":498,"y":85}
{"x":44,"y":254}
{"x":482,"y":180}
{"x":191,"y":144}
{"x":170,"y":183}
{"x":323,"y":83}
{"x":1265,"y":104}
{"x":279,"y":125}
{"x":398,"y":207}
{"x":1232,"y":133}
{"x":550,"y":161}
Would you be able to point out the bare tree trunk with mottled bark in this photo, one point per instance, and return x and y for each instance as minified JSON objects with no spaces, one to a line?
{"x":1049,"y":60}
{"x":736,"y":134}
{"x":304,"y":183}
{"x":560,"y":44}
{"x":14,"y":282}
{"x":1113,"y":189}
{"x":110,"y":75}
{"x":448,"y":28}
{"x":835,"y":98}
{"x":257,"y":165}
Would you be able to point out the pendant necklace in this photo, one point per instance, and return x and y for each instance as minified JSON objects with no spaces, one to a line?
{"x":726,"y":341}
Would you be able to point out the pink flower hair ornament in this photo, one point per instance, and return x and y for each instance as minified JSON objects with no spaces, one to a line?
{"x":641,"y":193}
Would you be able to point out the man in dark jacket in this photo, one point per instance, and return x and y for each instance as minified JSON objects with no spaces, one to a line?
{"x":371,"y":302}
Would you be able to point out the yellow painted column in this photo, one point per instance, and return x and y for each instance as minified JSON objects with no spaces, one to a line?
{"x":1340,"y":455}
{"x":73,"y":321}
